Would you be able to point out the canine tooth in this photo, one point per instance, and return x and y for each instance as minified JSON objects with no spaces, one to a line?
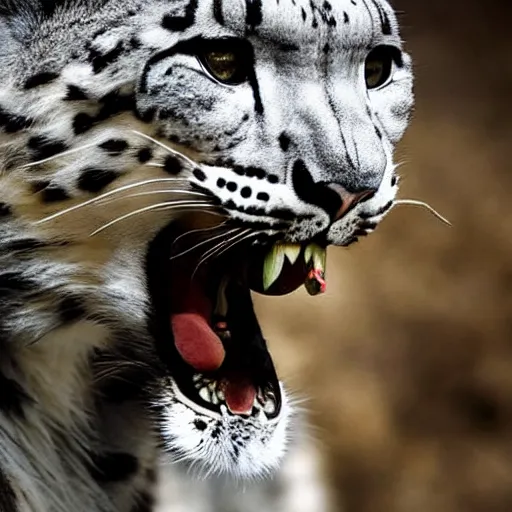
{"x":317,"y":254}
{"x":220,"y":395}
{"x":205,"y":394}
{"x":291,"y":251}
{"x":273,"y":265}
{"x":215,"y":399}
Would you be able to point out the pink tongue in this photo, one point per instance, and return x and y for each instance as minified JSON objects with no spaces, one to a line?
{"x":240,"y":395}
{"x":200,"y":347}
{"x":197,"y":344}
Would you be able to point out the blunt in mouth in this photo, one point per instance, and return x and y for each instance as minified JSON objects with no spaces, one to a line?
{"x":204,"y":322}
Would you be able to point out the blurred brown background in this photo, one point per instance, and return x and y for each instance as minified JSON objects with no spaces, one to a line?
{"x":408,"y":357}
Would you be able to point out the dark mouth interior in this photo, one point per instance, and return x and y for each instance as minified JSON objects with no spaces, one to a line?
{"x":204,"y":324}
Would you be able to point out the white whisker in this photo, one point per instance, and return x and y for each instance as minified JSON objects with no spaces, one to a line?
{"x":154,"y":164}
{"x":167,"y":148}
{"x":199,"y":244}
{"x":422,"y":204}
{"x":166,"y":206}
{"x":199,"y":230}
{"x":211,"y":253}
{"x":250,"y":235}
{"x":107,"y":194}
{"x":59,"y":155}
{"x":153,"y":192}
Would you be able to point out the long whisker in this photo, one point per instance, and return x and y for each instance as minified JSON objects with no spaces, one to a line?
{"x":250,"y":235}
{"x":214,"y":252}
{"x":199,"y":230}
{"x":167,"y":148}
{"x":108,"y":194}
{"x":167,"y":206}
{"x":168,"y":191}
{"x":199,"y":244}
{"x":422,"y":204}
{"x":59,"y":155}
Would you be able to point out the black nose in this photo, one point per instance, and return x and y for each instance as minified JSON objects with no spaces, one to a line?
{"x":334,"y":198}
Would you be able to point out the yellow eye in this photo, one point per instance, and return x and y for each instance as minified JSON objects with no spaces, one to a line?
{"x":226,"y":66}
{"x":378,"y":66}
{"x":222,"y":65}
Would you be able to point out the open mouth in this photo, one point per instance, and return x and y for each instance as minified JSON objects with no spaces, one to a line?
{"x":204,"y":324}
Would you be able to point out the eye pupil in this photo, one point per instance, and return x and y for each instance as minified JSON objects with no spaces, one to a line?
{"x":378,"y":67}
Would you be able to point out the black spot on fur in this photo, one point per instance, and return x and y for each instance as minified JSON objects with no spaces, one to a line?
{"x":144,"y":503}
{"x":262,"y":196}
{"x":44,"y":147}
{"x":71,"y":309}
{"x":114,"y":147}
{"x":394,"y":179}
{"x":384,"y":19}
{"x":272,"y":178}
{"x":238,"y":169}
{"x":54,"y":194}
{"x":100,"y":61}
{"x":200,"y":424}
{"x":144,"y":155}
{"x":254,"y":15}
{"x":94,"y":180}
{"x":12,"y":123}
{"x":378,"y":132}
{"x":180,"y":23}
{"x":199,"y":174}
{"x":82,"y":122}
{"x":216,"y":433}
{"x":5,"y":210}
{"x":115,"y":103}
{"x":12,"y":398}
{"x":221,"y":183}
{"x":246,"y":192}
{"x":217,"y":11}
{"x":255,"y":172}
{"x":284,"y":141}
{"x":40,"y":79}
{"x":113,"y":467}
{"x":135,"y":43}
{"x":172,"y":165}
{"x":231,"y":186}
{"x":346,"y":18}
{"x":75,"y":93}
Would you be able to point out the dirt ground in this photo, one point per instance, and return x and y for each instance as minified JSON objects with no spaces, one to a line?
{"x":408,"y":357}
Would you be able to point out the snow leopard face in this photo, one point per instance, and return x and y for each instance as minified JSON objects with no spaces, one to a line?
{"x":158,"y":161}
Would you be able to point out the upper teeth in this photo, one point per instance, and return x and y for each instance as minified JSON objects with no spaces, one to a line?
{"x":314,"y":255}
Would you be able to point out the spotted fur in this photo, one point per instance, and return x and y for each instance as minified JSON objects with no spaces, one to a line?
{"x":110,"y":129}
